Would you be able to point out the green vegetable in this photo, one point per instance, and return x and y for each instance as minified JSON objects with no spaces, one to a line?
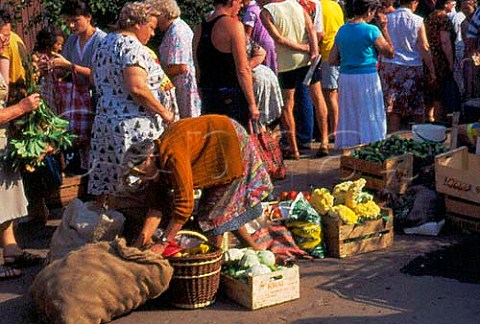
{"x":36,"y":134}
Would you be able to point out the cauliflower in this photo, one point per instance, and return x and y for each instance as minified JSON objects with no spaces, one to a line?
{"x":232,"y":255}
{"x":364,"y":197}
{"x":339,"y":192}
{"x":258,"y":269}
{"x":249,"y":260}
{"x":368,"y":210}
{"x":322,"y":200}
{"x":347,"y":215}
{"x":353,"y":192}
{"x":267,"y":258}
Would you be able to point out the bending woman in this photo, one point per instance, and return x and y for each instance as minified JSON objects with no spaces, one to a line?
{"x":199,"y":153}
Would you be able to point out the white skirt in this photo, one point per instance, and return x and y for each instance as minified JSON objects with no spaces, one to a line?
{"x":361,"y":110}
{"x":268,"y":94}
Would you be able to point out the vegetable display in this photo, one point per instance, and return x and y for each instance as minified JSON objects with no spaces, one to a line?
{"x":393,"y":146}
{"x":241,"y":263}
{"x":347,"y":202}
{"x":35,"y":134}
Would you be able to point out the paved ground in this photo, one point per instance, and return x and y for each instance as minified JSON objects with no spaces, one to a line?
{"x":367,"y":288}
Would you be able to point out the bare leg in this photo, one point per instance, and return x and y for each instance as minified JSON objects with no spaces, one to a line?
{"x":321,"y":114}
{"x":331,"y":98}
{"x":8,"y":241}
{"x":243,"y":234}
{"x":288,"y":120}
{"x":394,"y":121}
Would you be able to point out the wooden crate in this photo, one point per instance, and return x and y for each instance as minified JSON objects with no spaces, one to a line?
{"x":394,"y":174}
{"x":264,"y":290}
{"x":71,"y":188}
{"x":458,"y":178}
{"x":347,"y":240}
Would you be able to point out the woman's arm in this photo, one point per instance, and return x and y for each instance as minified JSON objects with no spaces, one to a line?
{"x":424,"y":49}
{"x":384,"y":48}
{"x":334,"y":58}
{"x":136,"y":83}
{"x":173,"y":70}
{"x":244,"y":73}
{"x":5,"y":69}
{"x":61,"y":62}
{"x":277,"y":37}
{"x":447,"y":48}
{"x":195,"y":42}
{"x":312,"y":36}
{"x":22,"y":107}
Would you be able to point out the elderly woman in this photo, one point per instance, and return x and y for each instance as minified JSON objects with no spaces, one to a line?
{"x":200,"y":153}
{"x":136,"y":98}
{"x":12,"y":197}
{"x":403,"y":75}
{"x":176,"y":56}
{"x":361,"y":110}
{"x":225,"y":78}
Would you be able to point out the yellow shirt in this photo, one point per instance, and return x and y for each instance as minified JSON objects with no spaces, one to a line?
{"x":16,"y":53}
{"x":332,"y":21}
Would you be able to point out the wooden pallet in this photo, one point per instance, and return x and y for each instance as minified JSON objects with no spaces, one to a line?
{"x":347,"y":240}
{"x":393,"y":175}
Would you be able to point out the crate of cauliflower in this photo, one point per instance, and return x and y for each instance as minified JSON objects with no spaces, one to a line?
{"x":252,"y":279}
{"x":353,"y":222}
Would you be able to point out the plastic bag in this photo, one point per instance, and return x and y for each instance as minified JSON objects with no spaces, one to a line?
{"x":306,"y":226}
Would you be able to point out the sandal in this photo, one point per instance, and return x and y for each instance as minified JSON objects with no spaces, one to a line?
{"x":25,"y":259}
{"x":9,"y":272}
{"x":290,"y":155}
{"x":321,"y":152}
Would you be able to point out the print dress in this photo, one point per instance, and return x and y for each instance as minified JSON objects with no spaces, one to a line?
{"x":119,"y":120}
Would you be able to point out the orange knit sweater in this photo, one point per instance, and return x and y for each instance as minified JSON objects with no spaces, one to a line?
{"x":197,"y":153}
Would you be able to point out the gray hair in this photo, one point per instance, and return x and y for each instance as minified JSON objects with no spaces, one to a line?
{"x":135,"y":155}
{"x":168,"y":9}
{"x":134,"y":13}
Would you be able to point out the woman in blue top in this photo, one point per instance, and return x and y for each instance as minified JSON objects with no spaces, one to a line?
{"x":361,"y":115}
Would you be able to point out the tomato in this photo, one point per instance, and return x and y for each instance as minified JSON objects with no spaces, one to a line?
{"x":276,"y":213}
{"x":284,"y":195}
{"x":292,"y":195}
{"x":307,"y":195}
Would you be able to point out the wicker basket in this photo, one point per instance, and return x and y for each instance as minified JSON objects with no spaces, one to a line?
{"x":195,"y":278}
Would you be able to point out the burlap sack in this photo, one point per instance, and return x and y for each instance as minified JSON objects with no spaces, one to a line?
{"x":98,"y":282}
{"x":84,"y":223}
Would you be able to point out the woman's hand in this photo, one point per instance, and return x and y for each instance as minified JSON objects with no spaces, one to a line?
{"x":60,"y":61}
{"x":168,"y":117}
{"x":254,"y":112}
{"x":30,"y":103}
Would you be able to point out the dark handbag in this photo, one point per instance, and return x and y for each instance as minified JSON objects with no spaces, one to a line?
{"x":269,"y":151}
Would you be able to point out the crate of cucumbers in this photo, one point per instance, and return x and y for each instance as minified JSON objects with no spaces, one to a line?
{"x":392,"y":164}
{"x":252,"y":279}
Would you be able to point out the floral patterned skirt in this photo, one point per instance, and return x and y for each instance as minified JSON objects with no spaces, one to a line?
{"x":227,"y":207}
{"x":402,"y":89}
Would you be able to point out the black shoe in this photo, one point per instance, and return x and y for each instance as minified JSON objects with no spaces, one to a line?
{"x":321,"y":152}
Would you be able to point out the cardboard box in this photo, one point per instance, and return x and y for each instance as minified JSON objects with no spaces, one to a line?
{"x":264,"y":290}
{"x":347,"y":240}
{"x":458,"y":178}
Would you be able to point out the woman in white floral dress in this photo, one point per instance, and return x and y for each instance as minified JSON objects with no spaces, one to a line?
{"x":136,"y":98}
